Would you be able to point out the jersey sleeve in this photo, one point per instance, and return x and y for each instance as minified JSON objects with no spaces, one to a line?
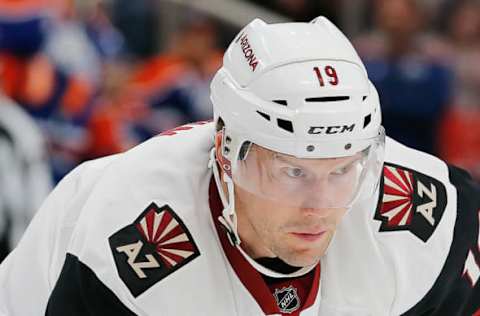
{"x":30,"y":273}
{"x":457,"y":289}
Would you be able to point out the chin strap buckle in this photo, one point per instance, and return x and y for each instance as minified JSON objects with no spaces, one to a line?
{"x":232,"y":236}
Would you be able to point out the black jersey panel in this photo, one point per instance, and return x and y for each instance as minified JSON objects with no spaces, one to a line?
{"x":78,"y":292}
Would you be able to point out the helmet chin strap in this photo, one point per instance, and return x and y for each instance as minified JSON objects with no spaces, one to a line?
{"x":229,"y":217}
{"x":229,"y":221}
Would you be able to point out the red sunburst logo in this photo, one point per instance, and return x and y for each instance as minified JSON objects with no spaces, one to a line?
{"x":151,"y":248}
{"x":169,"y":237}
{"x":411,"y":201}
{"x":397,"y":205}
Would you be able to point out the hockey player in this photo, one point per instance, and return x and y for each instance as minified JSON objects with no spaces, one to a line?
{"x":292,"y":202}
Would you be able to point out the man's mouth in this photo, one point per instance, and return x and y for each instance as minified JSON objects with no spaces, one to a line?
{"x":309,"y":236}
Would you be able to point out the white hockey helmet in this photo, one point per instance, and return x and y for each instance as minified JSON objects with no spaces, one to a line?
{"x":301,"y":91}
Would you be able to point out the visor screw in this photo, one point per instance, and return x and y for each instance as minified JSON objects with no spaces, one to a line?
{"x":228,"y":140}
{"x":226,"y":150}
{"x":348,"y":146}
{"x":310,"y":148}
{"x":226,"y":167}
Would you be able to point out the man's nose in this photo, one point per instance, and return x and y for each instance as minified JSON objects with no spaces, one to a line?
{"x":318,"y":198}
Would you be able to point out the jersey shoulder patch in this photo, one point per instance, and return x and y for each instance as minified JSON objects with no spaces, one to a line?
{"x":155,"y":245}
{"x":410,"y":201}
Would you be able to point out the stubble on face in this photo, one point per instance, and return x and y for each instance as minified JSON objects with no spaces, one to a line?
{"x":269,"y":230}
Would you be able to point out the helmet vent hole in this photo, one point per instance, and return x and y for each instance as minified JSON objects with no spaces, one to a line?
{"x":281,"y":102}
{"x":264,"y":115}
{"x":364,"y":98}
{"x":328,"y":99}
{"x":367,"y":120}
{"x":244,"y":149}
{"x":285,"y":124}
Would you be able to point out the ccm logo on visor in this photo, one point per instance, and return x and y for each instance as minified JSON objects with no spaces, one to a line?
{"x":331,"y":129}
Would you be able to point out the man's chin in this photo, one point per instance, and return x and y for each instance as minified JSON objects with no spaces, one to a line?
{"x":302,"y":258}
{"x":307,"y":256}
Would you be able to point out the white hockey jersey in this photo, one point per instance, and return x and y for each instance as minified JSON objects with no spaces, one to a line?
{"x":136,"y":234}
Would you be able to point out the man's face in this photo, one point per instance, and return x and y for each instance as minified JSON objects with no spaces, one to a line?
{"x":297,"y":233}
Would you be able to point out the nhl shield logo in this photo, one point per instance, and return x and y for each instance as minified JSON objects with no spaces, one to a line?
{"x":410,"y":201}
{"x":157,"y":244}
{"x":287,"y":299}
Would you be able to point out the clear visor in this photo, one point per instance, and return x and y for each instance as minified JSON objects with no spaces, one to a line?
{"x":307,"y":182}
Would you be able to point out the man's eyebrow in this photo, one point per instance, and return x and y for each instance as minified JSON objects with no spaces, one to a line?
{"x":295,"y":162}
{"x":354,"y":160}
{"x":286,"y":159}
{"x":290,"y":160}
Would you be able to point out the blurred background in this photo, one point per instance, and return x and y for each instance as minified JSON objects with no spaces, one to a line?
{"x":87,"y":78}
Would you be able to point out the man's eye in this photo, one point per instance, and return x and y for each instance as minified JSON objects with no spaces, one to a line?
{"x":294,"y":172}
{"x":343,"y":170}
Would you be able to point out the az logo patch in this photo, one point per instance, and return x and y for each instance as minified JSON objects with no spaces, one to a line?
{"x":155,"y":245}
{"x":410,"y":201}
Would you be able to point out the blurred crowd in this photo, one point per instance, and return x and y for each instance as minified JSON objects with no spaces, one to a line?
{"x":91,"y":83}
{"x":426,"y":66}
{"x":91,"y":78}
